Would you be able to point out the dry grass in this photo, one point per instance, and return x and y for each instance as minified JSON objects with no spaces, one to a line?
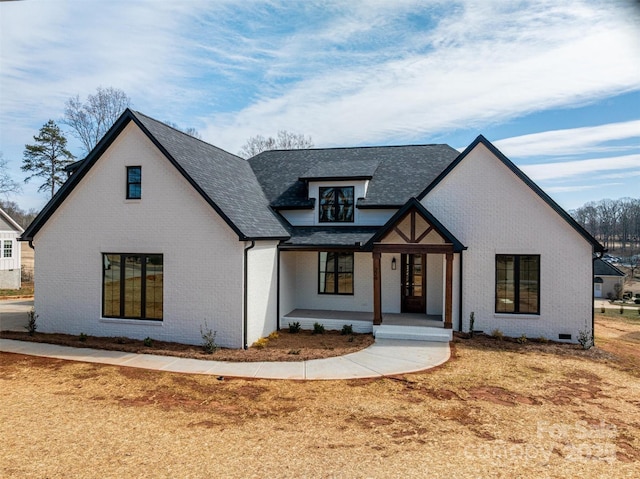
{"x":497,"y":409}
{"x":26,"y":290}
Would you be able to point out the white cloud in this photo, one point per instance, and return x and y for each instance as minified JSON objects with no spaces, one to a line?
{"x":570,"y":141}
{"x":565,"y":169}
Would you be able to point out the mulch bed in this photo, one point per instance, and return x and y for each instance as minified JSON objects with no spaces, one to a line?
{"x":285,"y":347}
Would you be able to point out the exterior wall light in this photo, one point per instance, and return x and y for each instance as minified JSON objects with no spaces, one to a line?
{"x":393,"y":263}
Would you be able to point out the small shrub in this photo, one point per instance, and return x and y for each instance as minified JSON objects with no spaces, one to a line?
{"x":621,"y":309}
{"x":209,"y":345}
{"x":472,"y":321}
{"x":294,"y":352}
{"x":497,"y":334}
{"x":585,"y":338}
{"x":318,"y":328}
{"x":260,"y":343}
{"x":148,"y":342}
{"x":602,"y":309}
{"x":274,"y":335}
{"x":522,"y":339}
{"x":294,"y":327}
{"x":82,"y":337}
{"x":347,"y":329}
{"x":32,"y":324}
{"x":542,"y":339}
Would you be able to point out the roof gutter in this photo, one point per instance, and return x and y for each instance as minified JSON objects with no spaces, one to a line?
{"x":246,"y":294}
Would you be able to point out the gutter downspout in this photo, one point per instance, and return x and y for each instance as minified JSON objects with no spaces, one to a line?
{"x":593,"y":296}
{"x":246,"y":294}
{"x":460,"y":296}
{"x":278,"y":290}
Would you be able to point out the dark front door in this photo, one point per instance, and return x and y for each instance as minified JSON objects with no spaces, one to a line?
{"x":413,"y":283}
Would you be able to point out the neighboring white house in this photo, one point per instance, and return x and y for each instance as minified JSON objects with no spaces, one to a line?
{"x":605,"y":278}
{"x":156,"y":232}
{"x":10,"y":274}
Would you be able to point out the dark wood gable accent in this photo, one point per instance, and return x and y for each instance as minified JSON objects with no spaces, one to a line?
{"x":416,"y":234}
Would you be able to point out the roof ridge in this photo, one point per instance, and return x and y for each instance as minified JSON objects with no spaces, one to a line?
{"x":280,"y":150}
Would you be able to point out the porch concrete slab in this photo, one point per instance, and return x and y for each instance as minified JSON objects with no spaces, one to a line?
{"x":281,"y":370}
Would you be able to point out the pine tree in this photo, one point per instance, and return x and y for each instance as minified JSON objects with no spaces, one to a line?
{"x":47,"y":157}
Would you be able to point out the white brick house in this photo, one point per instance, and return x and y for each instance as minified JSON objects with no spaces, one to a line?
{"x":10,"y":269}
{"x":156,"y":232}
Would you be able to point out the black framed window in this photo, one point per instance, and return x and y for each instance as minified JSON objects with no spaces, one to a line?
{"x":132,"y":286}
{"x":335,"y":273}
{"x":518,"y":284}
{"x":336,"y":204}
{"x":134,"y":182}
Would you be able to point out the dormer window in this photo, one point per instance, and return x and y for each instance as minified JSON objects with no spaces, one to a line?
{"x":336,"y":204}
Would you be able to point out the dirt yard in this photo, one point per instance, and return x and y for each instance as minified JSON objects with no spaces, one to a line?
{"x":497,"y":409}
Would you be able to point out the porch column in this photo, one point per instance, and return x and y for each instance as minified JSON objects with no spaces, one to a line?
{"x":377,"y":289}
{"x":448,"y":297}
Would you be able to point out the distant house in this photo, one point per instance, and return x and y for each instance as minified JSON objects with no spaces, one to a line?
{"x":605,"y":277}
{"x":156,"y":232}
{"x":10,"y":274}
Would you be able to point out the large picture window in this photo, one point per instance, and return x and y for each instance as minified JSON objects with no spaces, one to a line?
{"x":335,"y":273}
{"x":132,"y":286}
{"x":336,"y":204}
{"x":518,"y":284}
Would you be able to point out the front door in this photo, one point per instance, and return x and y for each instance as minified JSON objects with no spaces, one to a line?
{"x":413,"y":283}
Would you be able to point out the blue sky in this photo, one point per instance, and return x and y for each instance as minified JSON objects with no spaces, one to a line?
{"x":555,"y":85}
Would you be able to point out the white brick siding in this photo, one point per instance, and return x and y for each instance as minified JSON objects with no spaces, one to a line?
{"x":203,"y":259}
{"x":491,"y":211}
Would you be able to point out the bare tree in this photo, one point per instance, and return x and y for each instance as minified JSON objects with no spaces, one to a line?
{"x":91,"y":120}
{"x":284,"y":140}
{"x":615,"y":223}
{"x":7,"y":185}
{"x":23,"y":218}
{"x":191,"y":131}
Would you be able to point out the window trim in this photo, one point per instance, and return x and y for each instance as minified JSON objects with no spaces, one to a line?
{"x":143,"y":287}
{"x":132,"y":183}
{"x":4,"y":248}
{"x":516,"y":286}
{"x":336,"y":204}
{"x":335,"y":266}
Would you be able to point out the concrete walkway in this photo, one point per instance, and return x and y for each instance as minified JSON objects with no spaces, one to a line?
{"x":383,"y":358}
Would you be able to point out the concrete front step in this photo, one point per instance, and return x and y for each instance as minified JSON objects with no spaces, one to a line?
{"x":415,"y":333}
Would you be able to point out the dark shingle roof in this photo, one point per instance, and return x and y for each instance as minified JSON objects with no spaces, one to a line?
{"x":225,"y":178}
{"x":402,"y":172}
{"x":602,"y":268}
{"x":330,"y":236}
{"x":225,"y":181}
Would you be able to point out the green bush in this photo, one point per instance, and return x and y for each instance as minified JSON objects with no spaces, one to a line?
{"x":82,"y":337}
{"x":209,"y":345}
{"x":32,"y":324}
{"x":522,"y":339}
{"x":497,"y":334}
{"x":148,"y":342}
{"x":318,"y":328}
{"x":294,"y":327}
{"x":347,"y":329}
